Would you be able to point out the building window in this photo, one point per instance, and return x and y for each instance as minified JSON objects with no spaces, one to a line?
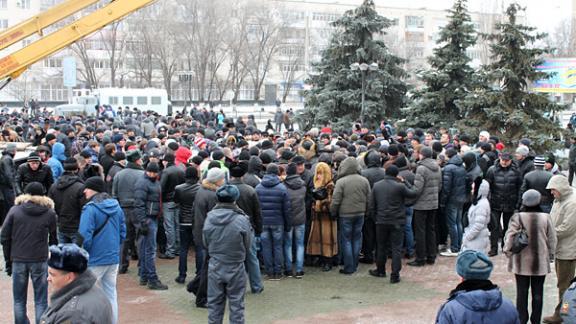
{"x":53,"y":62}
{"x":142,"y":100}
{"x":127,"y":100}
{"x":414,"y":22}
{"x":3,"y":4}
{"x":24,"y":4}
{"x":156,"y":100}
{"x":113,"y":100}
{"x":3,"y":23}
{"x":322,"y":16}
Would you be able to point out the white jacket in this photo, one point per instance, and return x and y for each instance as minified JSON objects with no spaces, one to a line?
{"x":476,"y":236}
{"x":563,"y":215}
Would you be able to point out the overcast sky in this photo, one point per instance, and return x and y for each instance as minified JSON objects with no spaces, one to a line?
{"x":542,"y":14}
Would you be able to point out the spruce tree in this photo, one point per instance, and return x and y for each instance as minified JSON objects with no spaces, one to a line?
{"x":450,"y":77}
{"x":506,"y":108}
{"x":336,"y":90}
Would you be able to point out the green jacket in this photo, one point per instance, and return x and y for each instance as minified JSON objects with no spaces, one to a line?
{"x":352,"y":191}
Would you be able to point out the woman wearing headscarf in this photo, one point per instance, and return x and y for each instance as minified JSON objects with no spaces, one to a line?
{"x":531,"y":265}
{"x":323,"y":240}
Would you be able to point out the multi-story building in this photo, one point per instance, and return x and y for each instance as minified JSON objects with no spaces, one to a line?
{"x":305,"y":32}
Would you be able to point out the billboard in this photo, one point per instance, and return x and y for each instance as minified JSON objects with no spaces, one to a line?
{"x":562,"y":79}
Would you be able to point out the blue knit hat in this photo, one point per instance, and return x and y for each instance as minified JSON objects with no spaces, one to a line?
{"x":228,"y":193}
{"x":473,"y":265}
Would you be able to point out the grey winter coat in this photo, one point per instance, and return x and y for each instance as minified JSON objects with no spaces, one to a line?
{"x":428,"y":183}
{"x":227,"y":233}
{"x":297,"y":193}
{"x":476,"y":236}
{"x":81,"y":301}
{"x":124,"y":184}
{"x":352,"y":191}
{"x":533,"y":260}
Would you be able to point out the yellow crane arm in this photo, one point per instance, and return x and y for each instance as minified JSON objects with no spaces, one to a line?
{"x":37,"y":23}
{"x":14,"y":64}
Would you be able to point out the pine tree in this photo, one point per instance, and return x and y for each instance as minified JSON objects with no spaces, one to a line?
{"x":507,"y":109}
{"x":337,"y":90}
{"x":450,"y":77}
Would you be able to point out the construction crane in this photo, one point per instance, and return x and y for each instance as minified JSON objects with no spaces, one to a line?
{"x":16,"y":63}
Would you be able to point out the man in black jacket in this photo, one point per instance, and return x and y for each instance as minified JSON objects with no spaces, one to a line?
{"x":29,"y":229}
{"x":373,"y":173}
{"x":7,"y":178}
{"x":169,"y":179}
{"x":67,"y":194}
{"x":33,"y":171}
{"x":184,"y":196}
{"x":388,"y":210}
{"x":538,"y":180}
{"x":249,"y":203}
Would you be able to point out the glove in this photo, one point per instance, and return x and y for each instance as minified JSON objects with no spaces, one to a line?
{"x":8,"y":268}
{"x":143,"y":228}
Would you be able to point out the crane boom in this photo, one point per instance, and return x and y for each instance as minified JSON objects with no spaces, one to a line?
{"x":37,"y":23}
{"x":16,"y":63}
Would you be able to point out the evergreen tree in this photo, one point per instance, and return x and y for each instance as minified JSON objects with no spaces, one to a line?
{"x":450,"y":77}
{"x":337,"y":90}
{"x":507,"y":109}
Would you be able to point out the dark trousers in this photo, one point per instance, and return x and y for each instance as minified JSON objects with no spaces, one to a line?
{"x":8,"y":196}
{"x":369,"y":238}
{"x":441,"y":227}
{"x":186,"y":240}
{"x":497,"y":230}
{"x":424,"y":222}
{"x":129,"y":244}
{"x":161,"y":237}
{"x":536,"y":285}
{"x":571,"y":171}
{"x":389,"y":238}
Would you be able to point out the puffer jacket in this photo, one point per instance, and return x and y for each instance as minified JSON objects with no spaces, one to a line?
{"x":538,"y":180}
{"x":476,"y":236}
{"x":185,"y":196}
{"x":254,"y":174}
{"x":454,"y":182}
{"x":25,"y":175}
{"x":297,"y":193}
{"x":505,"y":186}
{"x":81,"y":301}
{"x":203,"y":203}
{"x":67,"y":194}
{"x":534,"y":259}
{"x":563,"y":216}
{"x":387,"y":201}
{"x":352,"y":191}
{"x":147,"y":198}
{"x":274,"y":202}
{"x":483,"y":305}
{"x":249,"y":203}
{"x":374,"y":171}
{"x":124,"y":184}
{"x":227,"y":233}
{"x":428,"y":183}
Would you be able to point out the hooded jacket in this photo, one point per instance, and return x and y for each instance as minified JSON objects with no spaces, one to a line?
{"x":249,"y":203}
{"x":29,"y":228}
{"x":297,"y":193}
{"x":563,"y":216}
{"x":274,"y":202}
{"x":479,"y":306}
{"x":352,"y":191}
{"x":476,"y":236}
{"x":25,"y":175}
{"x":203,"y":203}
{"x":67,"y":194}
{"x":374,"y":171}
{"x":227,"y":233}
{"x":428,"y":183}
{"x":387,"y":201}
{"x":253,"y":176}
{"x":124,"y":184}
{"x":103,"y":247}
{"x":81,"y":301}
{"x":474,"y":175}
{"x":454,"y":182}
{"x":505,"y":186}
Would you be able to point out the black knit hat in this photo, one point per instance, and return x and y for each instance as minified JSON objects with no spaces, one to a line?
{"x":34,"y":188}
{"x":71,"y":164}
{"x":153,"y":167}
{"x":33,"y":157}
{"x":119,"y":156}
{"x":238,"y":169}
{"x":95,"y":183}
{"x":191,"y":173}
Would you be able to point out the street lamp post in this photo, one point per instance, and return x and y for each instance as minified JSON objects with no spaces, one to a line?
{"x":364,"y":68}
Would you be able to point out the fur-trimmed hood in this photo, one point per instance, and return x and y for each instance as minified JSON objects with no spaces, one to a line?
{"x":37,"y":200}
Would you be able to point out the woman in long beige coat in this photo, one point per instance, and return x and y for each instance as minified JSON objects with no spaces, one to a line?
{"x":530,"y":265}
{"x":323,"y":240}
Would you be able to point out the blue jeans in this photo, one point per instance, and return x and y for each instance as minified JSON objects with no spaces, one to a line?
{"x":38,"y":272}
{"x":252,"y":266}
{"x":106,"y":275}
{"x":147,"y":252}
{"x":453,"y":213}
{"x":272,"y":238}
{"x":67,"y":237}
{"x":170,"y":212}
{"x":351,"y":240}
{"x":298,"y":233}
{"x":408,"y":232}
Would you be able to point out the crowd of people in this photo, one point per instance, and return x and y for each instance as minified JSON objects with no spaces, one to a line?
{"x":260,"y":205}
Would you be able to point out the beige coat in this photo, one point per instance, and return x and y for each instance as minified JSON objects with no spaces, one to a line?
{"x":563,"y":216}
{"x":533,"y":260}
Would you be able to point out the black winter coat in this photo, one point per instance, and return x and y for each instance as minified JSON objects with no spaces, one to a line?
{"x":505,"y":186}
{"x":7,"y":171}
{"x":387,"y":201}
{"x":185,"y":196}
{"x":25,"y":175}
{"x":250,"y":204}
{"x":67,"y":194}
{"x":454,"y":182}
{"x":374,"y":171}
{"x":526,"y":166}
{"x":169,"y":179}
{"x":538,"y":180}
{"x":106,"y":161}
